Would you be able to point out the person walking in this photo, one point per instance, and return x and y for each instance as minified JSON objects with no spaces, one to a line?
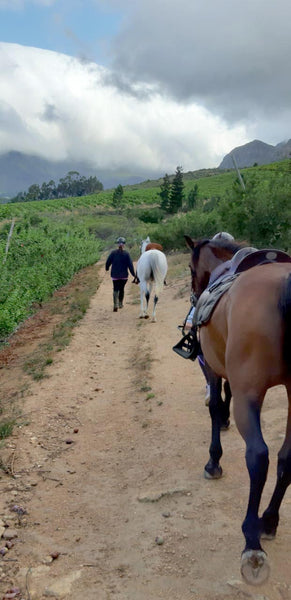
{"x":187,"y":325}
{"x":120,"y":262}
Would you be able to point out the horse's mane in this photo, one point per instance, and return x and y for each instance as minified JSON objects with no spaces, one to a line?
{"x":228,"y":245}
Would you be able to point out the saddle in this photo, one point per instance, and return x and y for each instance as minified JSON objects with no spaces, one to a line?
{"x":220,"y":281}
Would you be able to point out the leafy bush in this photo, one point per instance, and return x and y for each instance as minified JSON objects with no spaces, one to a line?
{"x":261,"y":214}
{"x":151,"y":215}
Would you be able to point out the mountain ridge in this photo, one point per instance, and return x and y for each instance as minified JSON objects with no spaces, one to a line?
{"x":256,"y":152}
{"x":18,"y":171}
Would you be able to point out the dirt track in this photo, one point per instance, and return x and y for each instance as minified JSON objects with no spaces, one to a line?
{"x":109,"y":469}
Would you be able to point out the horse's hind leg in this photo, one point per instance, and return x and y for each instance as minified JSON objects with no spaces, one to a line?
{"x":147,"y":298}
{"x":225,"y":406}
{"x":213,"y":469}
{"x":144,"y":301}
{"x":254,"y":564}
{"x":270,"y":519}
{"x":154,"y":309}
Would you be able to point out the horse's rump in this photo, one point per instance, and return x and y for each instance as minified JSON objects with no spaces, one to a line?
{"x":251,"y":317}
{"x":152,"y":265}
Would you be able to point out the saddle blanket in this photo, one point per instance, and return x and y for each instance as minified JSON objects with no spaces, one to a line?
{"x":209,"y":299}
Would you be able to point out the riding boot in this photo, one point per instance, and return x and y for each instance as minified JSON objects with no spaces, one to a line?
{"x":115,"y":301}
{"x":121,"y":296}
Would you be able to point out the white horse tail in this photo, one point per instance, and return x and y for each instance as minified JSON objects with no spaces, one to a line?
{"x":151,"y":270}
{"x":159,"y":267}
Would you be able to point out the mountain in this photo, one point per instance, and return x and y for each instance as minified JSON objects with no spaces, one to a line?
{"x":18,"y":171}
{"x":256,"y":152}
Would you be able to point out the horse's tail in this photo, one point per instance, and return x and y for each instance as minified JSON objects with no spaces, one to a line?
{"x":285,"y":310}
{"x":159,"y":269}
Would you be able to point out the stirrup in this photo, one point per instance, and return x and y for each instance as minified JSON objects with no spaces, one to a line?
{"x":188,"y":346}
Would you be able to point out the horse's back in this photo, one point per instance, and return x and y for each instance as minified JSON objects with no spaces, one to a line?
{"x":153,"y":246}
{"x":255,"y":293}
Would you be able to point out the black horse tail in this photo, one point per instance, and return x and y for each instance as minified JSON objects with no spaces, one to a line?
{"x":285,"y":310}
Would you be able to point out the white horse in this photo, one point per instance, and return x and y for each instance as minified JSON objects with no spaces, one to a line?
{"x":151,"y":270}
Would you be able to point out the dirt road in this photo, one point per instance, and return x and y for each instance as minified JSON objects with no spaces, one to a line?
{"x":107,"y":499}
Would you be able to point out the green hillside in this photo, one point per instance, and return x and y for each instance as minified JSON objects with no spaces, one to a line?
{"x":211,"y":182}
{"x":50,"y":241}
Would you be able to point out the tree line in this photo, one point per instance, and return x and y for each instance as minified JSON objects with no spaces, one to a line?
{"x":73,"y":184}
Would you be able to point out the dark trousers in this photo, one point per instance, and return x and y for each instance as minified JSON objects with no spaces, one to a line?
{"x":118,"y":286}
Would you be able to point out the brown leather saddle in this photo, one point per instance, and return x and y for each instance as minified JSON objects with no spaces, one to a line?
{"x":261,"y":257}
{"x":220,"y":281}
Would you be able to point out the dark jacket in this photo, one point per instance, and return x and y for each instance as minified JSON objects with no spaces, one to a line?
{"x":120,"y":263}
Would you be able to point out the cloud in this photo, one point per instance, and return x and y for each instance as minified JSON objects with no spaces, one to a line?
{"x":58,"y":107}
{"x":231,"y":57}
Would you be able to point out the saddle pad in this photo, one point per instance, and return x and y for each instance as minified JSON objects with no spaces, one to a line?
{"x":209,"y":299}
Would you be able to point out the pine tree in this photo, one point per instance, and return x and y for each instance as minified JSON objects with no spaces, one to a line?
{"x":192,"y":197}
{"x":165,"y":193}
{"x":177,"y":188}
{"x":117,"y":195}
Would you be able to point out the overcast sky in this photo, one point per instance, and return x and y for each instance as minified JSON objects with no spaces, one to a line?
{"x":143,"y":85}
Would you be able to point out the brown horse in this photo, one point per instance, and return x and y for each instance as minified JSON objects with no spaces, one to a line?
{"x":248,"y":342}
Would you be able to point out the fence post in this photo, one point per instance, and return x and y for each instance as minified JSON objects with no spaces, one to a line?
{"x":8,"y":240}
{"x":238,"y":173}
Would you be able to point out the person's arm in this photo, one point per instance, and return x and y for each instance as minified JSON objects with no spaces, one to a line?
{"x":130,"y":266}
{"x":108,"y":262}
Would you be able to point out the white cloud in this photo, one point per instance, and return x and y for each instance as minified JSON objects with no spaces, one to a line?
{"x":56,"y":107}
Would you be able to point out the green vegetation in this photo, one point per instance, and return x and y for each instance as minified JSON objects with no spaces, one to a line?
{"x":260,"y":214}
{"x":172,"y":192}
{"x":117,"y":196}
{"x":6,"y":429}
{"x":45,"y":251}
{"x":177,"y":192}
{"x":53,"y":239}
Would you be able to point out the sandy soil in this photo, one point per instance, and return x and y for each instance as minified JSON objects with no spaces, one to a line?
{"x":107,"y":471}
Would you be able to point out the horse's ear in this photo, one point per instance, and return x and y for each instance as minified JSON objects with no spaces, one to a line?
{"x":190,"y":243}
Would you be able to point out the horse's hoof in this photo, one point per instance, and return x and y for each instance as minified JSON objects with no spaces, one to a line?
{"x":225,"y":426}
{"x":154,"y":320}
{"x":255,"y":568}
{"x":212,"y":473}
{"x":146,"y":316}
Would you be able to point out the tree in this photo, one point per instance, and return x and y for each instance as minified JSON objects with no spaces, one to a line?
{"x":164,"y":193}
{"x":192,"y":197}
{"x":33,"y":193}
{"x":177,"y":188}
{"x":48,"y":190}
{"x":117,"y":195}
